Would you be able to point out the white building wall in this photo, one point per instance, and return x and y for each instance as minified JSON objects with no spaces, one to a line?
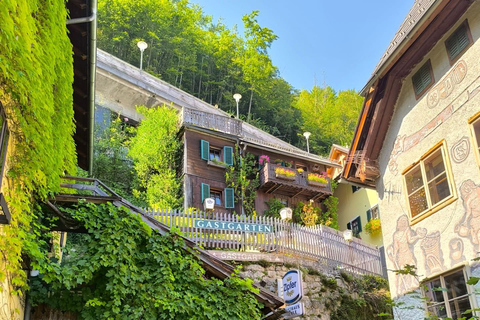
{"x":416,"y":127}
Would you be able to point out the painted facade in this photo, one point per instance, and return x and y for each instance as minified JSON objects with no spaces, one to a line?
{"x":428,"y":162}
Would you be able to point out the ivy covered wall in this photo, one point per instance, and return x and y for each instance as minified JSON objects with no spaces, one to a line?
{"x":36,"y":75}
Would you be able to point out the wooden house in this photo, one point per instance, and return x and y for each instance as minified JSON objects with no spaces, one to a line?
{"x":417,"y":142}
{"x":210,"y":137}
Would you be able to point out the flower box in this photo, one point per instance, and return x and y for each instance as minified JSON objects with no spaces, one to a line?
{"x":216,"y":164}
{"x":284,"y":177}
{"x":317,"y":184}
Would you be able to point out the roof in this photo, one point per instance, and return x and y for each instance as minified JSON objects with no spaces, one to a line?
{"x":82,"y":33}
{"x":418,"y":11}
{"x":424,"y":26}
{"x":247,"y":133}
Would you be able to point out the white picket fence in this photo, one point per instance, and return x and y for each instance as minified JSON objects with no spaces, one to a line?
{"x":266,"y":234}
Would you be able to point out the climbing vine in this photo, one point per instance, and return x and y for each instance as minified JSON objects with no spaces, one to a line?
{"x":36,"y":75}
{"x":243,"y":178}
{"x":122,"y":269}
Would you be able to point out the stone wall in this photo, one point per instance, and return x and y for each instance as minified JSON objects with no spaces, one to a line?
{"x":327,"y":296}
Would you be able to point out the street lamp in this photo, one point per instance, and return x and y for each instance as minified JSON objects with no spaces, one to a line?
{"x":307,"y":135}
{"x":237,"y":97}
{"x":142,"y":45}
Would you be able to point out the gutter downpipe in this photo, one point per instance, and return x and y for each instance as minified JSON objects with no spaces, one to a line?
{"x":93,"y":60}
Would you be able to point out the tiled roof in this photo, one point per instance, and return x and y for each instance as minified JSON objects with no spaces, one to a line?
{"x":416,"y":13}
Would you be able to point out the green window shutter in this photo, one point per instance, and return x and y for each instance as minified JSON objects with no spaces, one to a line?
{"x":229,"y":198}
{"x":204,"y":150}
{"x":359,"y":224}
{"x":457,"y":42}
{"x":422,"y":78}
{"x":369,"y":215}
{"x":228,"y":155}
{"x":205,"y":191}
{"x":349,"y":226}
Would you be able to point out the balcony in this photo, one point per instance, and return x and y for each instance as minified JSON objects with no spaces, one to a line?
{"x":212,"y":121}
{"x":292,"y":186}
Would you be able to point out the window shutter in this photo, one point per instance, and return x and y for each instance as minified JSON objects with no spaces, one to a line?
{"x":359,"y":224}
{"x":228,"y":155}
{"x":204,"y":150}
{"x":369,"y":214}
{"x":205,"y":191}
{"x":349,"y":226}
{"x":229,"y":198}
{"x":457,"y":42}
{"x":422,"y":78}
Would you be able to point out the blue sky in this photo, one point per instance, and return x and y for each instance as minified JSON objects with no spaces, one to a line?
{"x":337,"y":43}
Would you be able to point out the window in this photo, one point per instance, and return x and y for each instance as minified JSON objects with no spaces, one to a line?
{"x":215,"y":154}
{"x":356,"y":226}
{"x":475,"y":127}
{"x":458,"y":42}
{"x":373,"y":213}
{"x":448,"y":296}
{"x":217,"y":196}
{"x":355,"y":189}
{"x":427,"y":182}
{"x":228,"y":195}
{"x":422,"y":79}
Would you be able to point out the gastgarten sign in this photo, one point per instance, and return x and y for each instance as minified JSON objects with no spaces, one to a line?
{"x":233,"y":226}
{"x":292,"y":286}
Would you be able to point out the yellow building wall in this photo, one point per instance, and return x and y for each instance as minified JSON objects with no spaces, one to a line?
{"x":352,"y":204}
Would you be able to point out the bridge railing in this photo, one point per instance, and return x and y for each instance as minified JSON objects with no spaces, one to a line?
{"x":266,"y":234}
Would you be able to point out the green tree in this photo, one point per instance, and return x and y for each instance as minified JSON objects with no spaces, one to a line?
{"x":155,"y":151}
{"x":111,"y":162}
{"x":330,"y":117}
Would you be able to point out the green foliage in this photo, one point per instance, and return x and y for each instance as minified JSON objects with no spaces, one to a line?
{"x":155,"y":150}
{"x":122,"y":269}
{"x":36,"y":75}
{"x":111,"y":162}
{"x":243,"y":178}
{"x":274,"y":207}
{"x":372,"y":299}
{"x":330,"y":117}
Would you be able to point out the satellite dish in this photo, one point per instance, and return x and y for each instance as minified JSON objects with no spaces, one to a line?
{"x":286,"y":213}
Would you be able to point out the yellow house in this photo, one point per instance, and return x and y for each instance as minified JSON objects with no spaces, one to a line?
{"x":356,"y":205}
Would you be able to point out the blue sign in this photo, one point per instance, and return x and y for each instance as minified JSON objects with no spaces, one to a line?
{"x":292,"y":286}
{"x":233,"y":226}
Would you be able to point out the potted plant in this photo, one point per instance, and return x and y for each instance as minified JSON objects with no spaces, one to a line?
{"x":278,"y":162}
{"x":284,"y":173}
{"x":263,"y":159}
{"x":300,"y":170}
{"x":317,"y":179}
{"x":288,"y":164}
{"x":373,"y":227}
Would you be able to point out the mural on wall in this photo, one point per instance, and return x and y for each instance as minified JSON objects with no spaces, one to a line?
{"x":391,"y":191}
{"x":404,"y":143}
{"x":432,"y":253}
{"x":460,"y":150}
{"x":469,"y":225}
{"x":400,"y":252}
{"x":456,"y":251}
{"x":445,"y":87}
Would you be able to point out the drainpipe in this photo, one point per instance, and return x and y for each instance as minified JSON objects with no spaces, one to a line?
{"x":93,"y":58}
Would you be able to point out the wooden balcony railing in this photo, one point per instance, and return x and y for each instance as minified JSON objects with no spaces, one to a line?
{"x":268,"y":176}
{"x":212,"y":121}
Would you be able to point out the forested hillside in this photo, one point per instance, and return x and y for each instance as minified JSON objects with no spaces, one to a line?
{"x":212,"y":62}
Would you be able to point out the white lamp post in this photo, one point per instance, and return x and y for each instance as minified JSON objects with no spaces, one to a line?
{"x":142,"y":45}
{"x":237,"y":97}
{"x":307,"y":135}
